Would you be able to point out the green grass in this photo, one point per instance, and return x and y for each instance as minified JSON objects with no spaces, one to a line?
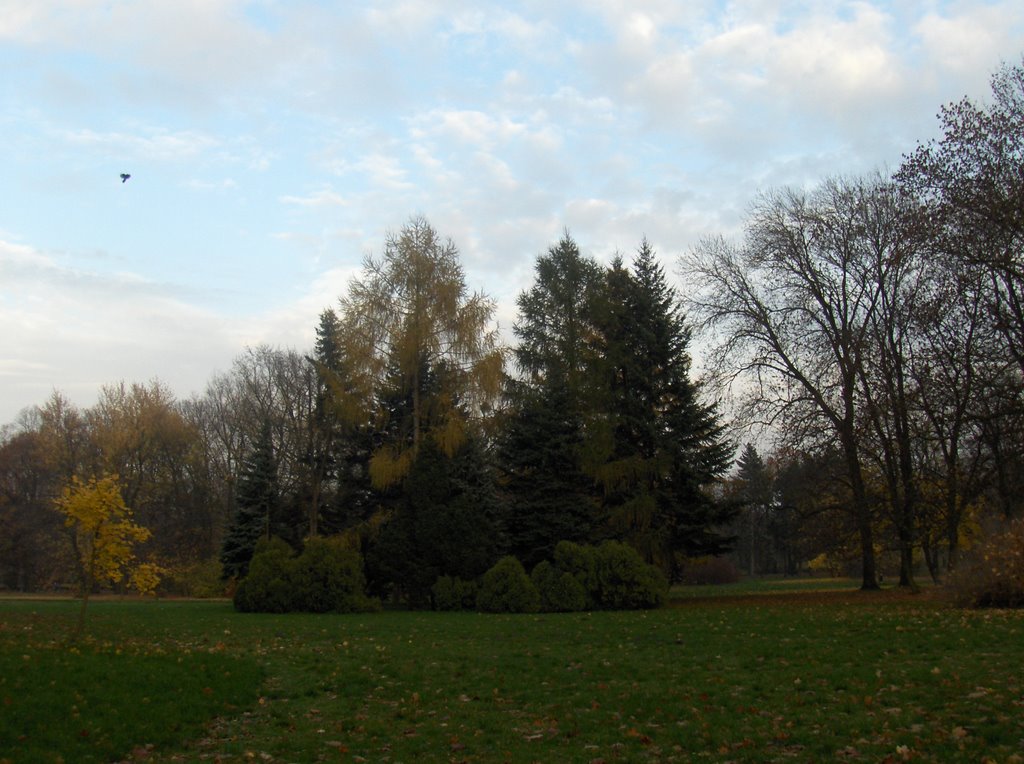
{"x":835,"y":676}
{"x":773,"y":585}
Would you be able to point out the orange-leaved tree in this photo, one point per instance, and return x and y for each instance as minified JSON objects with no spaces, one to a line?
{"x":103,"y":537}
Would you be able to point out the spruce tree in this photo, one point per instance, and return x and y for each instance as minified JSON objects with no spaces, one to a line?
{"x":257,"y":507}
{"x":655,"y":447}
{"x":444,"y":522}
{"x":550,"y":498}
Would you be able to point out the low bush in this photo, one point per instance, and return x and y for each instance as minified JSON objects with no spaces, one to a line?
{"x":580,"y":561}
{"x":450,"y":593}
{"x":560,"y":591}
{"x":613,"y":576}
{"x":326,"y":578}
{"x":266,"y":589}
{"x":625,"y":581}
{"x":506,"y":588}
{"x":992,"y":575}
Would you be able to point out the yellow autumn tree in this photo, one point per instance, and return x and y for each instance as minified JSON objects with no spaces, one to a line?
{"x":103,"y":537}
{"x":411,"y":329}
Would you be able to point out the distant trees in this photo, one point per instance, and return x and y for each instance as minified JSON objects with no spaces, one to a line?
{"x":30,"y":537}
{"x":754,"y":493}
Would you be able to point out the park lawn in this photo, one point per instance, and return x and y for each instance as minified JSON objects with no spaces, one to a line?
{"x":844,"y":675}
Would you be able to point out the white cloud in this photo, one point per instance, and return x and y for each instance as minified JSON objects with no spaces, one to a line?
{"x":960,"y":46}
{"x":325,"y":197}
{"x":76,"y":330}
{"x":151,"y":143}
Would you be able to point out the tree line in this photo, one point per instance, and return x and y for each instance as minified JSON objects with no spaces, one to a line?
{"x":878,"y":323}
{"x":875,"y":324}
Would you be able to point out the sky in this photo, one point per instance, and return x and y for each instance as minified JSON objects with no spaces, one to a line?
{"x":272,"y":145}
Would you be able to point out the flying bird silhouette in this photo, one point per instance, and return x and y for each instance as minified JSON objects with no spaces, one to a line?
{"x":124,"y":176}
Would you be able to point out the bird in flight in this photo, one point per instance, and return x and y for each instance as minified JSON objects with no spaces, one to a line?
{"x":124,"y":176}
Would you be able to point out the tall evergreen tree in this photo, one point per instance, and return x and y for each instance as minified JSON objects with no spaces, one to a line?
{"x":556,"y":318}
{"x":257,"y":507}
{"x":550,"y":498}
{"x":326,"y":425}
{"x":655,"y":447}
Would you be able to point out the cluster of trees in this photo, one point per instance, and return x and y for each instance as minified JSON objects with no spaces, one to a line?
{"x":878,"y":324}
{"x":408,"y":432}
{"x":434,"y":462}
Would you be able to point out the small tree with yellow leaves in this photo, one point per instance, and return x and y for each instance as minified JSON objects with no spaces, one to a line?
{"x":103,"y":538}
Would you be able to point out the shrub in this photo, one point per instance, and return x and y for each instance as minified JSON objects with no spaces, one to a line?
{"x":328,"y":578}
{"x":710,"y":571}
{"x":506,"y":588}
{"x":993,"y":574}
{"x":581,"y":562}
{"x":560,"y":591}
{"x":267,"y":589}
{"x":451,"y":593}
{"x":625,"y":581}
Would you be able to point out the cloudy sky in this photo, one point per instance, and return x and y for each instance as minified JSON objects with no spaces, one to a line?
{"x":273,"y":144}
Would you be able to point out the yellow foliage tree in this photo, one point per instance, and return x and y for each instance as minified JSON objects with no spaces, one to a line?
{"x":103,"y":537}
{"x":410,"y":316}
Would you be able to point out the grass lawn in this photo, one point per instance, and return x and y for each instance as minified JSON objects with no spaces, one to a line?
{"x":749,"y":675}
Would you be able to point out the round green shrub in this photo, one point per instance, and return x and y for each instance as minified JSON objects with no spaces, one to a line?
{"x":625,"y":581}
{"x":267,"y":588}
{"x":580,"y":561}
{"x":506,"y":588}
{"x":328,"y":578}
{"x":325,"y":578}
{"x":451,"y":593}
{"x":559,"y":590}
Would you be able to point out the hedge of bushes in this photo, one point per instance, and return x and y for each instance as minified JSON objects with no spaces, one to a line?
{"x":325,"y":578}
{"x":611,"y":576}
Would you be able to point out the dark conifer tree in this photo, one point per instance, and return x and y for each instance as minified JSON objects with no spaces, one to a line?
{"x":550,"y":498}
{"x":655,"y":447}
{"x":556,"y":318}
{"x":444,"y":522}
{"x":257,"y":507}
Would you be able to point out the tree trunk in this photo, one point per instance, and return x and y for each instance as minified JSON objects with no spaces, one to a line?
{"x":862,"y":513}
